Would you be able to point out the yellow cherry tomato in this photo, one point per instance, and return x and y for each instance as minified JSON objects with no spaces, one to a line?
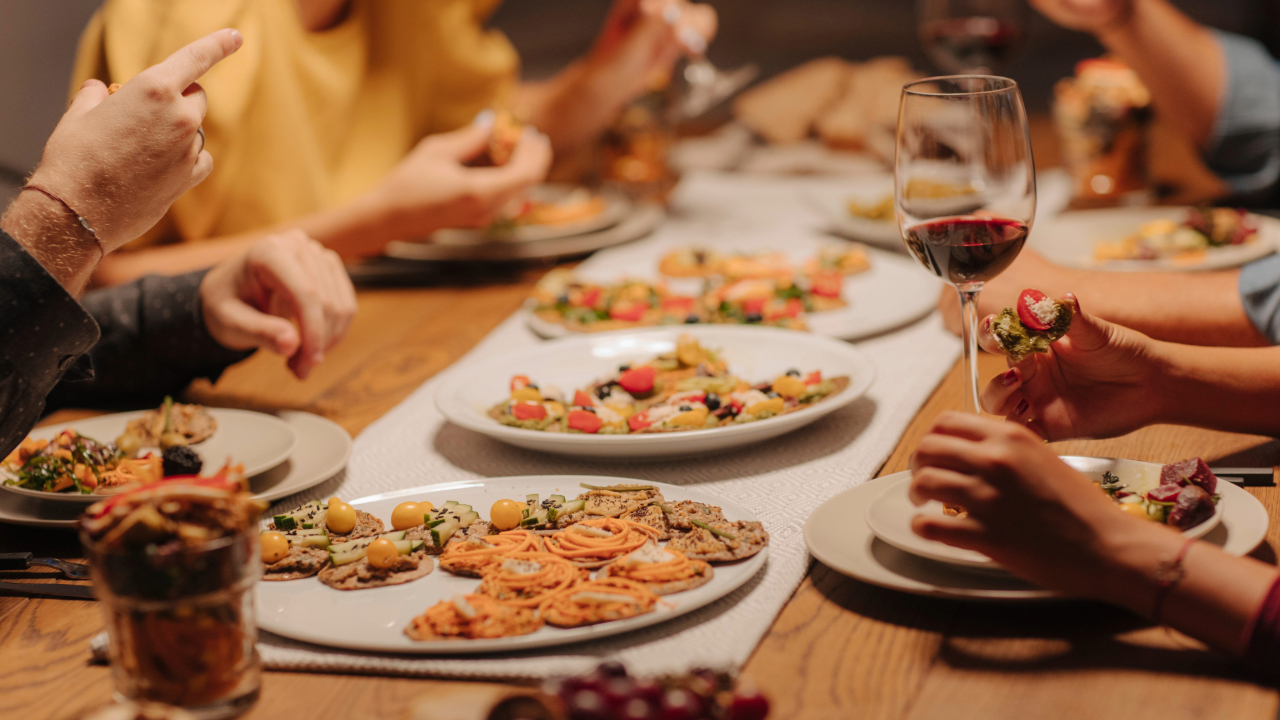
{"x":275,"y":547}
{"x":696,"y":417}
{"x":381,"y":553}
{"x":341,"y":517}
{"x":527,"y":393}
{"x":425,"y":506}
{"x":407,"y":515}
{"x":773,"y":405}
{"x":1135,"y":509}
{"x":505,"y":514}
{"x":788,"y":386}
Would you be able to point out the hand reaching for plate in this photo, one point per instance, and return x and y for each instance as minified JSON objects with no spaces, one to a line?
{"x":287,"y":293}
{"x":1099,"y":380}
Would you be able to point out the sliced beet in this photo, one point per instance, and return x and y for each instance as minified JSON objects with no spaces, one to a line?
{"x":1194,"y":506}
{"x":1164,"y":493}
{"x":1189,"y":472}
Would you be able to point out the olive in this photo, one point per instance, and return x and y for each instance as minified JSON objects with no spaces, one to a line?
{"x":754,"y":318}
{"x":692,"y":320}
{"x":712,"y":401}
{"x":771,"y":394}
{"x":589,"y":409}
{"x":793,"y":372}
{"x":623,"y":368}
{"x":686,"y":408}
{"x":181,"y":460}
{"x":563,"y":300}
{"x":604,"y":391}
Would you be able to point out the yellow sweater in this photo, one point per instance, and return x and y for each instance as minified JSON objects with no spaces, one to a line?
{"x":301,"y":121}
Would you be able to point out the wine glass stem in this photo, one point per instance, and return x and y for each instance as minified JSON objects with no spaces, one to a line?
{"x":969,"y":314}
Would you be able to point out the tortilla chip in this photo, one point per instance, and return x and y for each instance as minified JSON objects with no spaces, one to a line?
{"x":359,"y":575}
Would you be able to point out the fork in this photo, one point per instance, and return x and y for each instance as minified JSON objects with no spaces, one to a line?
{"x":22,"y":561}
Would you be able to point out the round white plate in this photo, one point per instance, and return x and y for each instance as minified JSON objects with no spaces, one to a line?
{"x":836,"y":535}
{"x":896,"y":291}
{"x":890,"y":515}
{"x":753,"y":353}
{"x":322,"y":451}
{"x":1069,"y":239}
{"x":256,"y":440}
{"x":374,"y":619}
{"x":833,"y":206}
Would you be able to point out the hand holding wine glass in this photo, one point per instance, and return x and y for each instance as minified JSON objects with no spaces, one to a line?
{"x":964,"y":186}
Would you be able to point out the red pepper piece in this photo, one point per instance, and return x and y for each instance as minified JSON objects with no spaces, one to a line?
{"x":638,"y":380}
{"x":587,"y":422}
{"x":529,"y":411}
{"x":582,"y":399}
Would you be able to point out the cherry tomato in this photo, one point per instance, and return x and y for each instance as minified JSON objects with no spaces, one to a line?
{"x":630,"y":312}
{"x":340,"y":517}
{"x":814,"y":378}
{"x":506,"y":514}
{"x":587,"y":422}
{"x":582,"y":399}
{"x":590,"y":297}
{"x":1028,"y":317}
{"x":407,"y":515}
{"x":529,"y":411}
{"x":381,"y":553}
{"x":275,"y":547}
{"x":753,"y":305}
{"x":638,"y":380}
{"x":677,"y":303}
{"x":827,"y":285}
{"x":639,"y":421}
{"x":790,"y":309}
{"x":519,"y":381}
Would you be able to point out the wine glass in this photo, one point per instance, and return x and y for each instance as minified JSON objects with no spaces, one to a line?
{"x":970,"y":36}
{"x":964,"y":186}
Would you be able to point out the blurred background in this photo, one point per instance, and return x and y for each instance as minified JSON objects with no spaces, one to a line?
{"x":38,"y":41}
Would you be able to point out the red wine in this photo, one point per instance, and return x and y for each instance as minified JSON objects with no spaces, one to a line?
{"x":966,"y":249}
{"x":968,"y":44}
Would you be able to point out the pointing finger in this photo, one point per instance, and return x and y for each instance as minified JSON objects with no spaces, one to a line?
{"x":189,"y":63}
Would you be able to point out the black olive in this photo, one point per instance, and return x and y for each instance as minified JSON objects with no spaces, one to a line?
{"x":763,"y":387}
{"x":686,"y":408}
{"x":623,"y":368}
{"x":182,"y":460}
{"x":589,"y":409}
{"x":699,"y":256}
{"x":726,"y":411}
{"x":612,"y":669}
{"x":532,"y":385}
{"x":712,"y":401}
{"x":771,"y":394}
{"x":754,"y":318}
{"x":563,"y":300}
{"x":604,"y":390}
{"x":692,"y":320}
{"x":793,"y":372}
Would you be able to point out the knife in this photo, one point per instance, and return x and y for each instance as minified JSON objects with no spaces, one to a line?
{"x":84,"y":592}
{"x":1247,"y":477}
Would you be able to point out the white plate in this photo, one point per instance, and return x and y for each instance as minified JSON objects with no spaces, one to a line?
{"x":256,"y":440}
{"x":890,"y":515}
{"x":896,"y":291}
{"x":839,"y":538}
{"x":374,"y":619}
{"x":1069,"y":239}
{"x":753,"y":353}
{"x":833,"y":206}
{"x":322,"y":451}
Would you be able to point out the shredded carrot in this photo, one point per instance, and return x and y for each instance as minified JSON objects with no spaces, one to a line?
{"x":634,"y":598}
{"x":626,"y":536}
{"x":492,"y":620}
{"x":529,"y":589}
{"x":475,"y":556}
{"x":678,"y":568}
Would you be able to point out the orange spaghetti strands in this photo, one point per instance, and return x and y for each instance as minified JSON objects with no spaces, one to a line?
{"x":626,"y":536}
{"x":595,"y":601}
{"x":473,"y":556}
{"x":504,"y":582}
{"x":492,"y":620}
{"x":678,"y":568}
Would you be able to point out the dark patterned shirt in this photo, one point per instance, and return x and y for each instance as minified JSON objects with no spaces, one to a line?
{"x":128,"y":345}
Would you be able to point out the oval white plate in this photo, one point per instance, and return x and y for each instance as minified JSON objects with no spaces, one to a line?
{"x":832,"y":204}
{"x":838,"y":537}
{"x":1069,"y":239}
{"x":896,"y":291}
{"x":322,"y":451}
{"x":256,"y":440}
{"x":374,"y":619}
{"x":753,"y":353}
{"x":890,"y":515}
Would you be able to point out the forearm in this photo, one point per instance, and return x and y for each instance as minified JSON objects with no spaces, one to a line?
{"x":574,"y":107}
{"x":1216,"y":599}
{"x":45,"y":229}
{"x":1230,"y":389}
{"x":1177,"y":59}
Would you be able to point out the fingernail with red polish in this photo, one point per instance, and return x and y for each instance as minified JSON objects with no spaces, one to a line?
{"x":1009,"y":377}
{"x":1022,"y":408}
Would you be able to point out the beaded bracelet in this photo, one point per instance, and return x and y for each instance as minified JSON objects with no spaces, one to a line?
{"x":79,"y":218}
{"x":1168,"y":574}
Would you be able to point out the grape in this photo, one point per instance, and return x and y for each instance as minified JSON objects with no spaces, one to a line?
{"x":749,"y":706}
{"x":636,"y":709}
{"x":649,"y":690}
{"x":588,"y":705}
{"x":612,"y":669}
{"x":680,"y":704}
{"x":617,"y":691}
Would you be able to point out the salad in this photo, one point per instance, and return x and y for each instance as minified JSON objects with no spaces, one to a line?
{"x":1202,"y":229}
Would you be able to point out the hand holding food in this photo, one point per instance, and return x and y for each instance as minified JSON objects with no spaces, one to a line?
{"x":1038,"y":322}
{"x":1088,"y":15}
{"x":432,"y":188}
{"x":1098,"y":380}
{"x":286,"y":293}
{"x":144,"y":138}
{"x":642,"y":39}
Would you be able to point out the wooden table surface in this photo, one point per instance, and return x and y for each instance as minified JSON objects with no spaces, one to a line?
{"x":839,"y":649}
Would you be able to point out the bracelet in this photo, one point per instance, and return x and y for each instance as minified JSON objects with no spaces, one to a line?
{"x":79,"y":218}
{"x":1168,"y":574}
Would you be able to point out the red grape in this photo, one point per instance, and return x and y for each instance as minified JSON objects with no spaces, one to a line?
{"x":588,"y":705}
{"x":680,"y":704}
{"x":748,"y":706}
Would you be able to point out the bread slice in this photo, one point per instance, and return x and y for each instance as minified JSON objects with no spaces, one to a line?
{"x":783,"y":109}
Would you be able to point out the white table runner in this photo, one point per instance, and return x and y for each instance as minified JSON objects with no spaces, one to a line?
{"x":782,"y":481}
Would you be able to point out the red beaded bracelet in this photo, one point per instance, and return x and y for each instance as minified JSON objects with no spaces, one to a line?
{"x":79,"y":218}
{"x":1168,"y":574}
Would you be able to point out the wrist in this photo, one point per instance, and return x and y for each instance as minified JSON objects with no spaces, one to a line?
{"x":1132,"y":552}
{"x":51,"y":235}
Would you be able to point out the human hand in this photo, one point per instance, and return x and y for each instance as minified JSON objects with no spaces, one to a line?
{"x":432,"y":188}
{"x":120,"y":161}
{"x":1092,"y":16}
{"x":287,"y":293}
{"x":1026,"y":509}
{"x":1099,"y":380}
{"x":644,"y":38}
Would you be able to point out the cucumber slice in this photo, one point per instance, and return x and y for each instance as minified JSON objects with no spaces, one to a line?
{"x":315,"y":541}
{"x":364,"y":542}
{"x":304,"y":516}
{"x":441,"y":533}
{"x":536,"y":519}
{"x":573,"y":506}
{"x":404,"y":547}
{"x":284,"y":522}
{"x":468,"y":518}
{"x":530,"y":505}
{"x":557,"y":499}
{"x":461,"y":509}
{"x":448,"y":504}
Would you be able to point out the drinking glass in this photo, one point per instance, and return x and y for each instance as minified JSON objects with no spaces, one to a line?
{"x":964,"y":186}
{"x":970,"y":36}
